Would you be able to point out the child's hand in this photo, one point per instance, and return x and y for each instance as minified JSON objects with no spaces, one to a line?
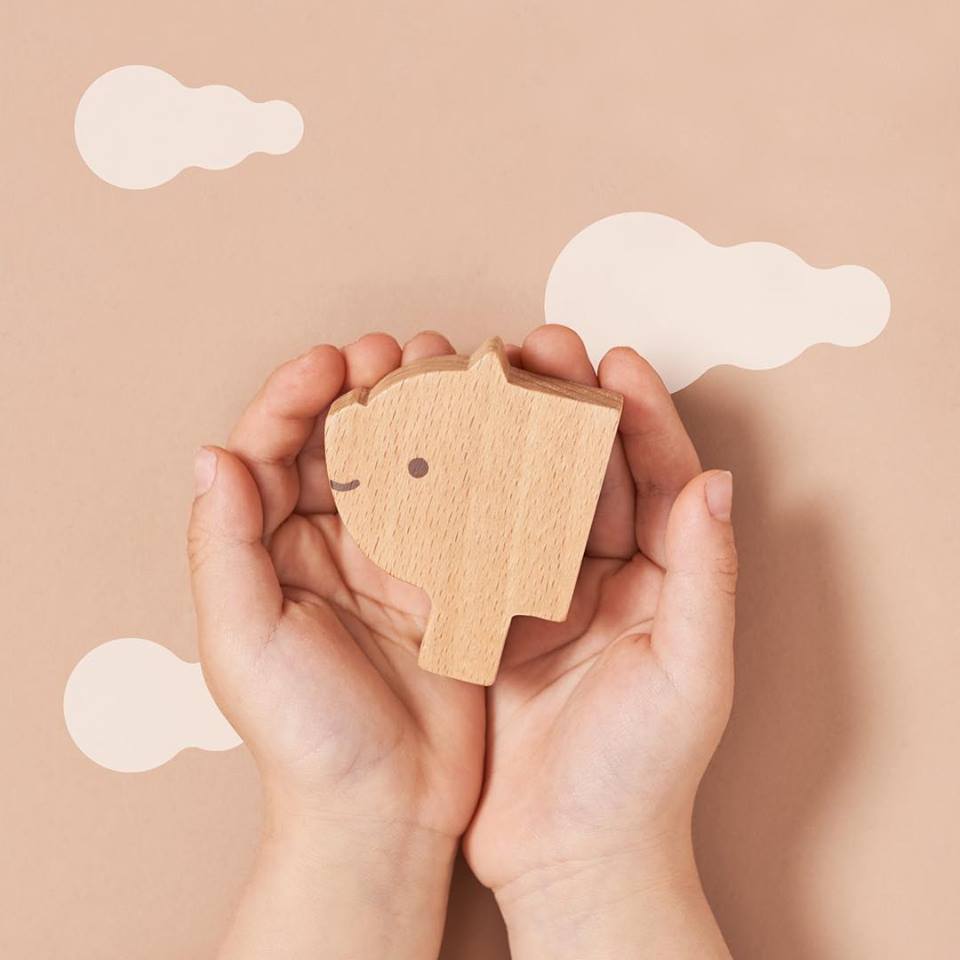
{"x":371,"y":767}
{"x":601,"y":727}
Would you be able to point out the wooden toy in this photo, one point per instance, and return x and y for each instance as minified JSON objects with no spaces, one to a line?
{"x":478,"y":482}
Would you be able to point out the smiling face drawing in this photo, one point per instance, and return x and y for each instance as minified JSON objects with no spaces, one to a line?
{"x":477,"y":483}
{"x":395,"y":473}
{"x":417,"y":467}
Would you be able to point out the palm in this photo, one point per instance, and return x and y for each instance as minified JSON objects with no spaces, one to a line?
{"x":561,"y":767}
{"x":364,"y":701}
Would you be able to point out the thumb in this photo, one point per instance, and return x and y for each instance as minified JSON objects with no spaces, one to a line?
{"x":235,"y":588}
{"x":693,"y":626}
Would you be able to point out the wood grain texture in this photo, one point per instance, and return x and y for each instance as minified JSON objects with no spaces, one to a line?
{"x":478,"y":482}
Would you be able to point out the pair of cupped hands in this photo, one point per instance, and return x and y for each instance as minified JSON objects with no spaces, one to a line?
{"x":570,"y":782}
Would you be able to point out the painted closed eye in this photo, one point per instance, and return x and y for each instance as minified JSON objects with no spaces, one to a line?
{"x":418,"y":467}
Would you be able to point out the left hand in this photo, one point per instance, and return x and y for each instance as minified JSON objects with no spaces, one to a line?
{"x":369,"y":764}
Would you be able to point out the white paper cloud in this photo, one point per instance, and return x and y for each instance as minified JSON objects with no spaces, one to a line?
{"x":138,"y":127}
{"x":131,"y":705}
{"x":652,"y":282}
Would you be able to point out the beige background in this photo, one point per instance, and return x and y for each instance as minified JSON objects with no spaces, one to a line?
{"x":451,"y":149}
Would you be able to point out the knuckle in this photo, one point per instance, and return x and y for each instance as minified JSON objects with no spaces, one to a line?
{"x":726,"y":569}
{"x":199,"y":548}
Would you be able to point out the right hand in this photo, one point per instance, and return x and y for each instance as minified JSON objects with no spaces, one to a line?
{"x":601,"y":727}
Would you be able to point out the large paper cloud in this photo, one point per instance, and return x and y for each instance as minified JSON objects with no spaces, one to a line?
{"x":652,"y":282}
{"x":137,"y":127}
{"x":131,"y":705}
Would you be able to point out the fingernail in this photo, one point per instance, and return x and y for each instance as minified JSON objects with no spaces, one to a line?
{"x":719,"y":493}
{"x":204,"y":470}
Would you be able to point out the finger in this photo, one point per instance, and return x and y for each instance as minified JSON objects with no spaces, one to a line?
{"x":365,"y":362}
{"x":370,"y":359}
{"x":660,"y":454}
{"x":274,"y":428}
{"x":513,"y":354}
{"x":425,"y":345}
{"x":236,"y":594}
{"x":556,"y":351}
{"x":693,"y":626}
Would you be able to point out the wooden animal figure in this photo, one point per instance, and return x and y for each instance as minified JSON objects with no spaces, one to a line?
{"x":478,"y":482}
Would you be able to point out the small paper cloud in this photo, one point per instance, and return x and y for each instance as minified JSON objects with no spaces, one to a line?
{"x":652,"y":282}
{"x":137,"y":127}
{"x":131,"y":705}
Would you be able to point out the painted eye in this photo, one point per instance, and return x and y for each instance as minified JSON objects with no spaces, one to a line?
{"x":418,"y":467}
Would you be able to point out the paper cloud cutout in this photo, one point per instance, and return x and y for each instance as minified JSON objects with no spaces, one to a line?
{"x":131,"y":705}
{"x":652,"y":282}
{"x":137,"y":127}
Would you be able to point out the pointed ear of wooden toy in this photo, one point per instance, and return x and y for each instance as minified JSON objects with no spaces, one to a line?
{"x":478,"y":482}
{"x":490,"y":360}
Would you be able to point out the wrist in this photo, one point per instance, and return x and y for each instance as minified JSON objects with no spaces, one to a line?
{"x":343,"y":887}
{"x":645,"y":900}
{"x":318,"y":833}
{"x":397,"y":866}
